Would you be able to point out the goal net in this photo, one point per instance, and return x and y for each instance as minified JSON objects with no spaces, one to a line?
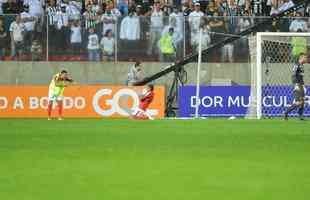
{"x":272,"y":58}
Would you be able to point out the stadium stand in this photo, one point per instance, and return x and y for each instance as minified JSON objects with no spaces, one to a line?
{"x":62,"y":27}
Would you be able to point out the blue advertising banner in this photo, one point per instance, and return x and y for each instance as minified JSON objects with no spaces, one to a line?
{"x":234,"y":100}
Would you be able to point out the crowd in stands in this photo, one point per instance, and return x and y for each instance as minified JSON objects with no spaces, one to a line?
{"x":103,"y":30}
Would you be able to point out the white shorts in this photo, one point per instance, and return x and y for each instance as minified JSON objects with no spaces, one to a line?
{"x":139,"y":113}
{"x":53,"y":97}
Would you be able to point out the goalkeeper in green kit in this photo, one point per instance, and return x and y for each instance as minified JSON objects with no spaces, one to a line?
{"x":56,"y":90}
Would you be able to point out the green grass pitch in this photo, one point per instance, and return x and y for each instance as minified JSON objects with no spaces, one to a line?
{"x":80,"y":159}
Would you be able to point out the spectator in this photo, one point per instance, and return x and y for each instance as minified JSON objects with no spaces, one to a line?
{"x":109,"y":18}
{"x":130,"y":27}
{"x":307,"y":10}
{"x":216,"y":25}
{"x":29,"y":22}
{"x":3,"y":40}
{"x":166,"y":46}
{"x":232,"y":12}
{"x":1,"y":3}
{"x":107,"y":46}
{"x":144,"y":24}
{"x":176,"y":37}
{"x":273,"y":10}
{"x":63,"y":29}
{"x":17,"y":29}
{"x":245,"y":21}
{"x":122,"y":6}
{"x":227,"y":53}
{"x":210,"y":9}
{"x":52,"y":22}
{"x":156,"y":27}
{"x":267,"y":8}
{"x":36,"y":50}
{"x":139,"y":11}
{"x":203,"y":5}
{"x":93,"y":46}
{"x":205,"y":39}
{"x":76,"y":37}
{"x":35,"y":7}
{"x":222,"y":6}
{"x":178,"y":17}
{"x":257,"y":7}
{"x":90,"y":17}
{"x":186,"y":9}
{"x":135,"y":74}
{"x":12,"y":7}
{"x":298,"y":24}
{"x":195,"y":20}
{"x":74,"y":9}
{"x":130,"y":34}
{"x":241,"y":6}
{"x":95,"y":6}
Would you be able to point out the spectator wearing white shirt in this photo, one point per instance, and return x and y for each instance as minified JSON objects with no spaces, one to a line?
{"x":93,"y":46}
{"x":194,"y":20}
{"x":110,"y":17}
{"x":76,"y":37}
{"x":179,"y":19}
{"x":74,"y":9}
{"x":63,"y":29}
{"x":298,"y":24}
{"x":157,"y":24}
{"x":17,"y":29}
{"x":35,"y":7}
{"x":107,"y":46}
{"x":130,"y":33}
{"x":205,"y":39}
{"x":29,"y":22}
{"x":130,"y":27}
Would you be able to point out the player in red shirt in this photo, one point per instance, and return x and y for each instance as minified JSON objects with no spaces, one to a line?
{"x":145,"y":101}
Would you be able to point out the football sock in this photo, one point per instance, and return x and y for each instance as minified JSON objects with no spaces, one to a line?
{"x":49,"y":108}
{"x":60,"y":108}
{"x":301,"y":111}
{"x":291,"y":108}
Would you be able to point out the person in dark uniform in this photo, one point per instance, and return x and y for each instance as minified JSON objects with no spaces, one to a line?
{"x":299,"y":87}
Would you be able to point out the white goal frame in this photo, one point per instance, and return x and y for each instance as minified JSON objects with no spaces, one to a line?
{"x":259,"y":74}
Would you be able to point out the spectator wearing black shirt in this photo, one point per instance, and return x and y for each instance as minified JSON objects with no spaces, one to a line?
{"x":3,"y":39}
{"x":12,"y":7}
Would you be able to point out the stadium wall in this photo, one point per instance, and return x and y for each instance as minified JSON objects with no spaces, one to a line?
{"x":40,"y":73}
{"x":23,"y":73}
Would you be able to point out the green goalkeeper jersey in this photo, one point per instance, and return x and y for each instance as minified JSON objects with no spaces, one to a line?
{"x":57,"y":85}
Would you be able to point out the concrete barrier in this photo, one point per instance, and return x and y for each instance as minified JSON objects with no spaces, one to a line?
{"x":40,"y":73}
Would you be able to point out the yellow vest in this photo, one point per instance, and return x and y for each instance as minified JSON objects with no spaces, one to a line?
{"x":166,"y":44}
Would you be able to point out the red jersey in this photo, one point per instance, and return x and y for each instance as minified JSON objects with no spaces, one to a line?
{"x":146,"y":100}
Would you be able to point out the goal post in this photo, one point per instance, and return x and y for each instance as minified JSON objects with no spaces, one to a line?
{"x":275,"y":54}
